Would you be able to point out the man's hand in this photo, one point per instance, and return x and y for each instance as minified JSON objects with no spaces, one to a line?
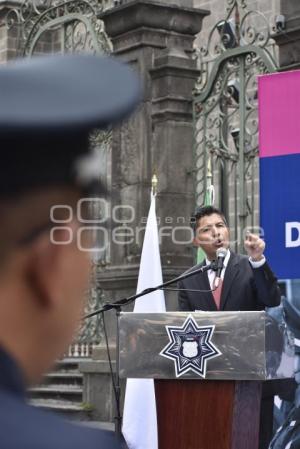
{"x":254,"y":246}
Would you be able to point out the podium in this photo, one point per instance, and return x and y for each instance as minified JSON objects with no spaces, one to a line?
{"x":209,"y":370}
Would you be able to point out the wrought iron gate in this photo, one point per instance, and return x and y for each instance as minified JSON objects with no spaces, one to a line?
{"x":239,"y":48}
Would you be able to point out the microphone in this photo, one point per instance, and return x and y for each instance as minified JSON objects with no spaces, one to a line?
{"x":221,"y":254}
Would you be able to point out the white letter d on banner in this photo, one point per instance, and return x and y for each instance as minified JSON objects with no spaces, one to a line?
{"x":289,"y":226}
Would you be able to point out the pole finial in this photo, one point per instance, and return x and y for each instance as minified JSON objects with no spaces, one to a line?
{"x":154,"y":183}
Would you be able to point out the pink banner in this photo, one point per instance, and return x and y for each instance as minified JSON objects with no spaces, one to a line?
{"x":279,"y":113}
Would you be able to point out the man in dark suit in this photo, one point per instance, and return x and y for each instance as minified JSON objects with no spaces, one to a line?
{"x":48,"y":107}
{"x":247,"y":282}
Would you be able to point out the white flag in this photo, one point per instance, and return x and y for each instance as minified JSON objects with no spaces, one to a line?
{"x":139,"y":416}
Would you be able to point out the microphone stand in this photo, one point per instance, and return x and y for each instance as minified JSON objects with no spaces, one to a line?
{"x":128,"y":300}
{"x":117,"y":307}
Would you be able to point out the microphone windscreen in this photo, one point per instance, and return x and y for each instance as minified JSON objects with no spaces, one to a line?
{"x":221,"y":252}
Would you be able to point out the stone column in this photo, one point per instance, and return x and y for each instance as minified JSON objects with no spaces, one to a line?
{"x":173,"y":77}
{"x":156,"y":39}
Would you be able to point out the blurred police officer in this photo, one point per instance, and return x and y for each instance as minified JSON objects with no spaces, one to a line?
{"x":287,"y":435}
{"x":48,"y":107}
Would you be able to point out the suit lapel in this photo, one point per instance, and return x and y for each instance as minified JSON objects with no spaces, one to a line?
{"x":232,"y":270}
{"x":206,"y":296}
{"x":209,"y":299}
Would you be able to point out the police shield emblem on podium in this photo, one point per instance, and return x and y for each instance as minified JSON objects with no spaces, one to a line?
{"x":190,"y":347}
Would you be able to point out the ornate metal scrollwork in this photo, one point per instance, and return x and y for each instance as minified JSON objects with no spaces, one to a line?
{"x":90,"y":331}
{"x":239,"y":48}
{"x":73,"y":25}
{"x":51,"y":26}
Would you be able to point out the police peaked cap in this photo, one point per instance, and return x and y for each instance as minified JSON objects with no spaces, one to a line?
{"x":48,"y":106}
{"x":292,"y":317}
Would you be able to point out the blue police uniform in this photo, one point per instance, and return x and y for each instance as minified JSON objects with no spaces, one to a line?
{"x":287,"y":435}
{"x":23,"y":426}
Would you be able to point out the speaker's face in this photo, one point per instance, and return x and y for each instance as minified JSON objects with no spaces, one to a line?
{"x":211,"y":233}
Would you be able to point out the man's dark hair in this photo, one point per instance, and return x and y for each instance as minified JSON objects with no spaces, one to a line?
{"x":204,"y":211}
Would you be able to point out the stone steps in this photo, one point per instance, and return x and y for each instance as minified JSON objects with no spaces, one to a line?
{"x":64,"y":378}
{"x":56,"y":391}
{"x":56,"y":405}
{"x":64,"y":375}
{"x":68,"y":409}
{"x":62,"y":391}
{"x":100,"y":425}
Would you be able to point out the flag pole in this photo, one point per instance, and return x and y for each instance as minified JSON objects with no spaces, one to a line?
{"x":208,"y":201}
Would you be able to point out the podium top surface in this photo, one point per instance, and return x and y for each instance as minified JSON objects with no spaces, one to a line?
{"x":204,"y":345}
